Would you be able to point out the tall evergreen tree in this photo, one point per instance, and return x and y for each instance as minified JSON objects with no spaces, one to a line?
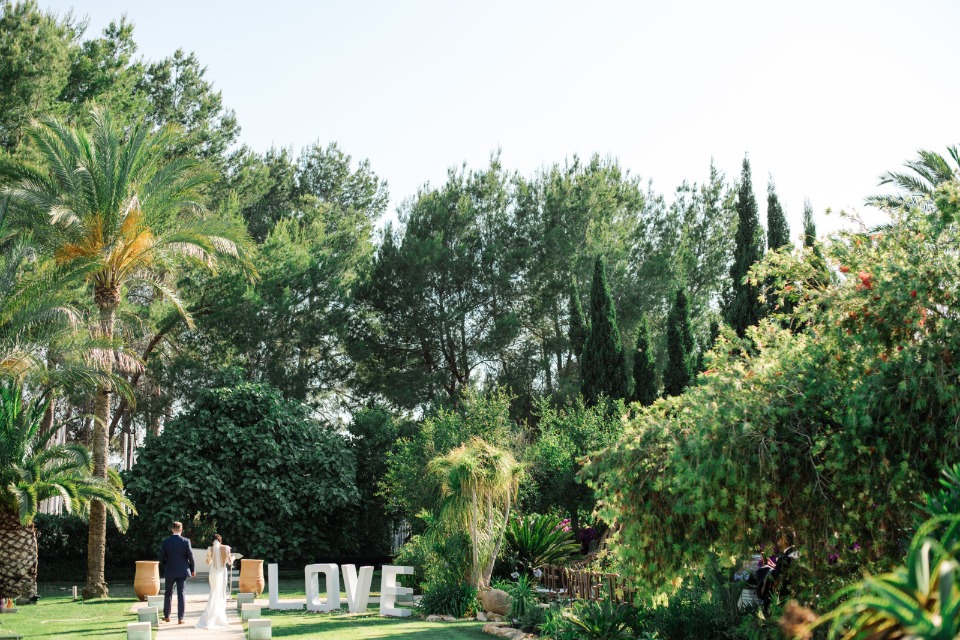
{"x":603,"y":367}
{"x":680,"y":359}
{"x":743,"y":307}
{"x":711,"y":340}
{"x":644,"y":372}
{"x":809,"y":226}
{"x":778,"y":236}
{"x":579,"y":331}
{"x":778,"y":231}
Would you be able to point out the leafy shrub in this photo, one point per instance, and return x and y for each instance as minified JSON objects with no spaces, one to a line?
{"x":448,"y":599}
{"x":438,"y":555}
{"x":919,"y":600}
{"x":62,"y":548}
{"x":407,"y":487}
{"x":795,"y":433}
{"x":533,"y":618}
{"x":554,"y":624}
{"x":534,"y":541}
{"x":566,"y":435}
{"x":693,"y":613}
{"x":271,"y":478}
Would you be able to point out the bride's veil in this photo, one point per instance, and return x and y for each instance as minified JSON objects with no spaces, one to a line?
{"x":221,"y":556}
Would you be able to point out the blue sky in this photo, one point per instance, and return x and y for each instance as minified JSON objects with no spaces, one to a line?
{"x":823,"y":95}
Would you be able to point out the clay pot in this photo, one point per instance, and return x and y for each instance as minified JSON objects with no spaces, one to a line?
{"x":251,"y":576}
{"x":147,"y":581}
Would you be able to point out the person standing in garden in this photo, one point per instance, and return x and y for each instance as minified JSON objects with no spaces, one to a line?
{"x":176,"y":565}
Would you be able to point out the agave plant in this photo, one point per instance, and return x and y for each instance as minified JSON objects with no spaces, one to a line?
{"x":32,"y":470}
{"x":535,"y":541}
{"x":919,"y":601}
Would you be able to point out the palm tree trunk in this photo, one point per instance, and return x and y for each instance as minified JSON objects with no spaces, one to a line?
{"x":18,"y":561}
{"x":96,"y":586}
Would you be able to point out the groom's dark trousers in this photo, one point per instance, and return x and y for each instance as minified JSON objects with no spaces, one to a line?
{"x":176,"y":563}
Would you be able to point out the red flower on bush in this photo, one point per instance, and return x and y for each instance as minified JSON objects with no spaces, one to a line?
{"x":913,"y":294}
{"x":865,"y":282}
{"x":844,"y":269}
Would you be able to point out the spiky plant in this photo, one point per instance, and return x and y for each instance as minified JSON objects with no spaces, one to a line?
{"x":478,"y":482}
{"x":115,"y":199}
{"x":919,"y":601}
{"x":32,"y":470}
{"x":539,"y":540}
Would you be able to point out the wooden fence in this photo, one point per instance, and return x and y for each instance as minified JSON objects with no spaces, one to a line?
{"x":564,"y":582}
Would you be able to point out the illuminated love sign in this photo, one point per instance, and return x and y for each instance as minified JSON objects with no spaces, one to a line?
{"x":356,"y":586}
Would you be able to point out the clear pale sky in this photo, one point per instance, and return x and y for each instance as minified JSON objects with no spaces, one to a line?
{"x":825,"y":95}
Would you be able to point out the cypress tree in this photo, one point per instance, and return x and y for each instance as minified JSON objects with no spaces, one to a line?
{"x":712,"y":340}
{"x":578,"y":331}
{"x":778,"y":231}
{"x":603,"y":368}
{"x":679,"y":372}
{"x":778,"y":236}
{"x":809,"y":226}
{"x":644,"y":372}
{"x":743,"y":307}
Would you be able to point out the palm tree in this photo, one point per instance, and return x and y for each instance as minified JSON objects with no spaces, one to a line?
{"x":37,"y":318}
{"x":478,"y":482}
{"x":32,"y":470}
{"x":118,"y":202}
{"x":929,"y":171}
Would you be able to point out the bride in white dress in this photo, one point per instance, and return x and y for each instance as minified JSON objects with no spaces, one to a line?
{"x":215,"y":615}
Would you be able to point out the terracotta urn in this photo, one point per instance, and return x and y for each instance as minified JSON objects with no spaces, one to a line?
{"x":251,"y":576}
{"x":147,"y":580}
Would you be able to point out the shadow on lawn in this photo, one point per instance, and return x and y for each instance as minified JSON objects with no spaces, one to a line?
{"x":292,"y":624}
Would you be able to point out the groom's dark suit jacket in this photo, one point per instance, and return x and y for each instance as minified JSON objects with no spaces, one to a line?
{"x":176,"y":557}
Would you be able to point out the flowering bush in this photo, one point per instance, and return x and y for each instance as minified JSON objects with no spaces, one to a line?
{"x":826,"y":423}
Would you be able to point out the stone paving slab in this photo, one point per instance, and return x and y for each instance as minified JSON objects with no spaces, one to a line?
{"x":196,"y":601}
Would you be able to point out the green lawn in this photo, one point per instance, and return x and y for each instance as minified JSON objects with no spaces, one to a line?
{"x":345,"y":626}
{"x":57,"y":617}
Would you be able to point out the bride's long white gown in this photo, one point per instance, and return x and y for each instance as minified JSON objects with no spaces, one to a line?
{"x":215,"y":614}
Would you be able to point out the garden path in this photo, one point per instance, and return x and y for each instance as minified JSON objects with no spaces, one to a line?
{"x":196,"y":600}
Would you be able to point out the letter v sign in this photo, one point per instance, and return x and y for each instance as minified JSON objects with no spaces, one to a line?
{"x":358,"y":591}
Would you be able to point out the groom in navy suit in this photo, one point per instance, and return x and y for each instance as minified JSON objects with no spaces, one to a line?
{"x":176,"y":564}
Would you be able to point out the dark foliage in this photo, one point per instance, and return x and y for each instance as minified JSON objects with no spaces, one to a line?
{"x":273,"y":480}
{"x":603,"y":367}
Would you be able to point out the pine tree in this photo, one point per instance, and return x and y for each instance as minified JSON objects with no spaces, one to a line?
{"x":778,"y":231}
{"x":809,"y":226}
{"x":644,"y":371}
{"x":579,"y":330}
{"x":743,"y":308}
{"x":679,"y":372}
{"x":603,"y":367}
